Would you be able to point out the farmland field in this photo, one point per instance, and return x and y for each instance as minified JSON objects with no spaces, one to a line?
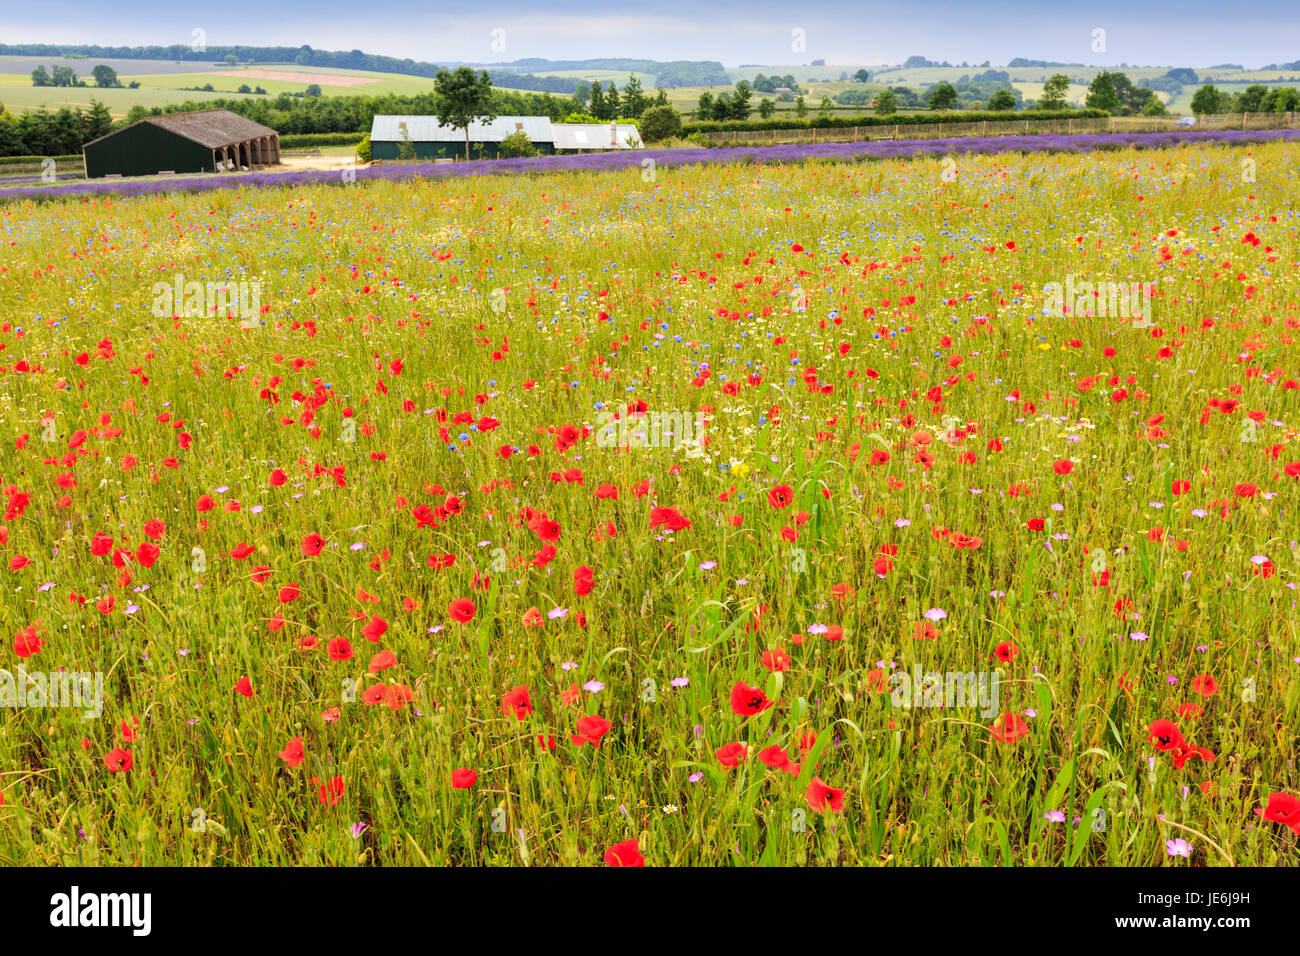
{"x":400,"y":566}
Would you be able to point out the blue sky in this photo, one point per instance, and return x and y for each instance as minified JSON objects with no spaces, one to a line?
{"x":1155,"y":32}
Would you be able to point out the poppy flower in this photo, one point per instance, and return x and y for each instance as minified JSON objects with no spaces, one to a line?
{"x":1063,"y":466}
{"x":462,"y":610}
{"x":462,"y":778}
{"x":339,"y":649}
{"x":780,"y":497}
{"x":732,"y":755}
{"x":244,"y":687}
{"x":1282,"y":808}
{"x":590,"y":730}
{"x":624,"y":854}
{"x":294,"y":753}
{"x":312,"y":544}
{"x":118,"y":760}
{"x":747,"y":701}
{"x":1009,"y":728}
{"x":1204,"y":685}
{"x":822,"y":797}
{"x":1164,"y":734}
{"x":517,"y":703}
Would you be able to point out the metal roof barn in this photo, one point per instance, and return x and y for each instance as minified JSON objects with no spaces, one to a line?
{"x":202,"y":141}
{"x":432,"y":141}
{"x":583,"y":137}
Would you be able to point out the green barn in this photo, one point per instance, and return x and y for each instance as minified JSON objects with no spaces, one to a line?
{"x":431,"y":141}
{"x":204,"y":141}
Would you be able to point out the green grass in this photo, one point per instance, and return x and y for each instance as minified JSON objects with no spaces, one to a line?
{"x":527,"y":302}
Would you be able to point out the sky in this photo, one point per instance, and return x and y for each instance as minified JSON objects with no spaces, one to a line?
{"x":1192,"y":33}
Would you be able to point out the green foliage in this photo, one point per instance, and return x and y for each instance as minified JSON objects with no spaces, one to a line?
{"x":364,"y":154}
{"x":517,"y":145}
{"x":1054,"y":92}
{"x":462,"y":97}
{"x":943,"y":96}
{"x":661,"y":122}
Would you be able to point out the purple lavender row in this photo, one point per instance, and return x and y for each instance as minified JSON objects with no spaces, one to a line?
{"x":600,"y":162}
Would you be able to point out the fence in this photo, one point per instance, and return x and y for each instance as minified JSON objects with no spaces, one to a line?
{"x":1029,"y":127}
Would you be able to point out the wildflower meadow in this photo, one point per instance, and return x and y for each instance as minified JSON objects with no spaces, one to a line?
{"x":871,"y":511}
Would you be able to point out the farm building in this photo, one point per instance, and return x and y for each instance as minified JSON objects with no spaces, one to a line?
{"x":431,"y":141}
{"x":202,"y":141}
{"x":590,"y":137}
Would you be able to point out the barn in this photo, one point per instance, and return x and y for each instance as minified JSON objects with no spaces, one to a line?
{"x":431,"y":141}
{"x":202,"y":141}
{"x":591,"y":137}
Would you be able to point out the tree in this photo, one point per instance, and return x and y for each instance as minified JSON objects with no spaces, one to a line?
{"x":582,"y":92}
{"x":1207,"y":100}
{"x":461,"y":98}
{"x":943,"y":96}
{"x":406,"y":149}
{"x":1001,"y":101}
{"x":1054,"y":91}
{"x":766,"y":108}
{"x":634,"y":100}
{"x":40,"y":77}
{"x":862,"y":76}
{"x":64,"y":76}
{"x":800,"y":107}
{"x":661,"y":97}
{"x":825,"y":106}
{"x":1251,"y":99}
{"x":1154,"y":108}
{"x":1102,"y":95}
{"x":597,"y":100}
{"x":232,"y":60}
{"x":740,"y":101}
{"x":613,"y":105}
{"x":105,"y":76}
{"x":364,"y":149}
{"x":885,"y":103}
{"x":516,"y":145}
{"x":313,"y":89}
{"x":660,"y":123}
{"x":704,"y":105}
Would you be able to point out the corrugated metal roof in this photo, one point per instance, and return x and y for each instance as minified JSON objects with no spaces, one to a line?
{"x":425,"y":129}
{"x":210,"y":128}
{"x":593,"y":135}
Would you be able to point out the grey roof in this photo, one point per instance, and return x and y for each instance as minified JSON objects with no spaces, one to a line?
{"x":425,"y":129}
{"x":210,"y":128}
{"x":593,"y":135}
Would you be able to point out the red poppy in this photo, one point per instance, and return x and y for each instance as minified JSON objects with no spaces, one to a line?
{"x":118,"y":760}
{"x":626,"y":853}
{"x":517,"y":703}
{"x":1204,"y":685}
{"x":822,"y":797}
{"x":1282,"y":808}
{"x":732,"y":755}
{"x":294,"y":753}
{"x":462,"y":610}
{"x":747,"y":701}
{"x":590,"y":730}
{"x":462,"y":778}
{"x":781,"y":496}
{"x":1009,"y":728}
{"x":312,"y":544}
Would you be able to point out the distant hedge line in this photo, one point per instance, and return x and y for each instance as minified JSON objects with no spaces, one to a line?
{"x":308,"y":140}
{"x":894,"y":119}
{"x":37,"y":160}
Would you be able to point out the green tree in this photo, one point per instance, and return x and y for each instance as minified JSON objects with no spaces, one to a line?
{"x":1054,"y":92}
{"x":597,"y":105}
{"x":1207,"y":100}
{"x":704,"y":106}
{"x":232,"y":60}
{"x":1251,"y":99}
{"x":885,"y":103}
{"x":862,"y":76}
{"x":105,"y":76}
{"x":40,"y":77}
{"x":825,"y":106}
{"x":517,"y":145}
{"x":1102,"y":95}
{"x":313,"y":89}
{"x":406,"y":148}
{"x":943,"y":96}
{"x":64,"y":76}
{"x":460,"y":98}
{"x":634,"y":100}
{"x":613,"y":104}
{"x":1002,"y":101}
{"x":740,"y":101}
{"x":1154,"y":108}
{"x":800,"y":107}
{"x":661,"y":97}
{"x":660,"y":123}
{"x":766,"y":108}
{"x":364,"y":153}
